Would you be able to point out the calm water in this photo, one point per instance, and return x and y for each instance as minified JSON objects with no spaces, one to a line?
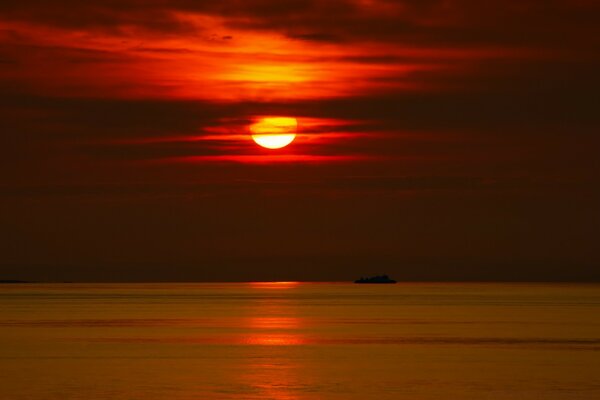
{"x":299,"y":341}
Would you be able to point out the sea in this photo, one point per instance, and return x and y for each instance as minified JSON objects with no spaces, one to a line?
{"x":291,"y":340}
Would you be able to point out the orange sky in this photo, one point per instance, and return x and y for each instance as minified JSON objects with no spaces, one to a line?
{"x":442,"y":133}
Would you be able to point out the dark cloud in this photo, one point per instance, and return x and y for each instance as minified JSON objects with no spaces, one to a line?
{"x":316,"y":36}
{"x":550,"y":24}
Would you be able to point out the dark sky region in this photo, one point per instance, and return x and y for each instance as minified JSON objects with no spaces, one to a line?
{"x":439,"y":140}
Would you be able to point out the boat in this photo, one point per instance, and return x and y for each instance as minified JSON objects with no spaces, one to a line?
{"x":375,"y":279}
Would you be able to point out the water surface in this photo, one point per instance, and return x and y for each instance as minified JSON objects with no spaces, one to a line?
{"x":299,"y":341}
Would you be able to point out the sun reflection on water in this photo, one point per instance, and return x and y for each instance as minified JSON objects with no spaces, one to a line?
{"x":268,"y":339}
{"x":274,"y":329}
{"x":274,"y":323}
{"x":274,"y":285}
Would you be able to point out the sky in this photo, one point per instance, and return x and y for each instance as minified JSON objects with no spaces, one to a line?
{"x":437,"y":140}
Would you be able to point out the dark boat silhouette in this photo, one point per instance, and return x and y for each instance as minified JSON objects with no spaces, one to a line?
{"x":375,"y":279}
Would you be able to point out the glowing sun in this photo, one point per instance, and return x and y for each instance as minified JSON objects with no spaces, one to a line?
{"x":274,"y":132}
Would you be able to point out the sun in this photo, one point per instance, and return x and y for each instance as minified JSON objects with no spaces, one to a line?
{"x":274,"y":132}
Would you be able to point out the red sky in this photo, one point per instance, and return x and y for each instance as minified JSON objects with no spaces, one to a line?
{"x":439,"y":139}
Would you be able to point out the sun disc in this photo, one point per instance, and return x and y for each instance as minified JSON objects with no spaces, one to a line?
{"x":274,"y":132}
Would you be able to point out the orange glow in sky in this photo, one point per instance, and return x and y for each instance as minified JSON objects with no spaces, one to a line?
{"x":237,"y":70}
{"x":234,"y":65}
